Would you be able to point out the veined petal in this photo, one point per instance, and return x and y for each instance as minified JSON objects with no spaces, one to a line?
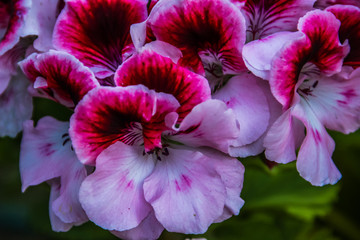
{"x":349,"y":17}
{"x":12,"y":22}
{"x":15,"y":106}
{"x":209,"y":124}
{"x":265,"y":17}
{"x":249,"y":104}
{"x":162,"y":75}
{"x":210,"y":31}
{"x":148,"y":229}
{"x":335,"y":100}
{"x":314,"y":161}
{"x":60,"y":76}
{"x":186,"y":185}
{"x":45,"y":151}
{"x":283,"y":138}
{"x":326,"y":3}
{"x":98,"y":32}
{"x":132,"y":115}
{"x":113,"y":195}
{"x":322,"y":28}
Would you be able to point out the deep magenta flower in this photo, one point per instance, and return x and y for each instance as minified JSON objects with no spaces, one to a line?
{"x":306,"y":75}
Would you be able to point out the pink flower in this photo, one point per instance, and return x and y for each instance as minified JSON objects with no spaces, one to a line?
{"x":145,"y":145}
{"x":210,"y":35}
{"x":307,"y":77}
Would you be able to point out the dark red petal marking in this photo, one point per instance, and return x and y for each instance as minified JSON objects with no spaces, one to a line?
{"x":349,"y":17}
{"x":265,"y":17}
{"x":67,"y":79}
{"x":106,"y":115}
{"x":322,"y":29}
{"x":196,"y":26}
{"x":162,"y":75}
{"x":97,"y":32}
{"x":326,"y":3}
{"x":12,"y":14}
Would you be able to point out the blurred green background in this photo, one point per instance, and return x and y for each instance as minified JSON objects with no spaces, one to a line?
{"x":279,"y":204}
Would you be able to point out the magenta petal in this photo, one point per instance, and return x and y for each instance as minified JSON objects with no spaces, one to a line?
{"x":45,"y":151}
{"x":325,"y":3}
{"x":67,"y":79}
{"x":148,"y":229}
{"x":12,"y":22}
{"x":264,"y":18}
{"x":322,"y":28}
{"x":214,"y":27}
{"x":98,"y":32}
{"x":209,"y":124}
{"x":349,"y":17}
{"x":113,"y":195}
{"x":314,"y":161}
{"x":249,"y":104}
{"x":15,"y":106}
{"x":132,"y":114}
{"x":187,"y":185}
{"x":162,"y":75}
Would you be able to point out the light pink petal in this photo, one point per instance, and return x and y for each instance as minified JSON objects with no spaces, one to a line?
{"x":12,"y":22}
{"x":349,"y":17}
{"x":113,"y":195}
{"x":162,"y":75}
{"x":322,"y":28}
{"x":209,"y":124}
{"x":132,"y":114}
{"x":67,"y":206}
{"x":60,"y":76}
{"x":275,"y":110}
{"x":98,"y":32}
{"x":334,"y":100}
{"x":186,"y":191}
{"x":56,"y":224}
{"x":325,"y":3}
{"x":164,"y":49}
{"x":283,"y":138}
{"x":148,"y":229}
{"x":15,"y":106}
{"x":45,"y":151}
{"x":259,"y":54}
{"x":248,"y":102}
{"x":264,"y":18}
{"x":210,"y":31}
{"x":41,"y":21}
{"x":314,"y":161}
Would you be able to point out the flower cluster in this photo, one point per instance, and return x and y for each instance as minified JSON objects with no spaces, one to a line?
{"x":166,"y":95}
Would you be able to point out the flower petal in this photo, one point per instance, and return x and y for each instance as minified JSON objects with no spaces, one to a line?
{"x":349,"y":17}
{"x":132,"y":114}
{"x":248,"y":102}
{"x":264,"y":18}
{"x":63,"y":77}
{"x":314,"y":161}
{"x":148,"y":229}
{"x":325,"y":3}
{"x":15,"y":106}
{"x":162,"y":75}
{"x":112,"y":196}
{"x":45,"y":151}
{"x":98,"y":32}
{"x":12,"y":22}
{"x":185,"y":184}
{"x":209,"y":124}
{"x":214,"y":28}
